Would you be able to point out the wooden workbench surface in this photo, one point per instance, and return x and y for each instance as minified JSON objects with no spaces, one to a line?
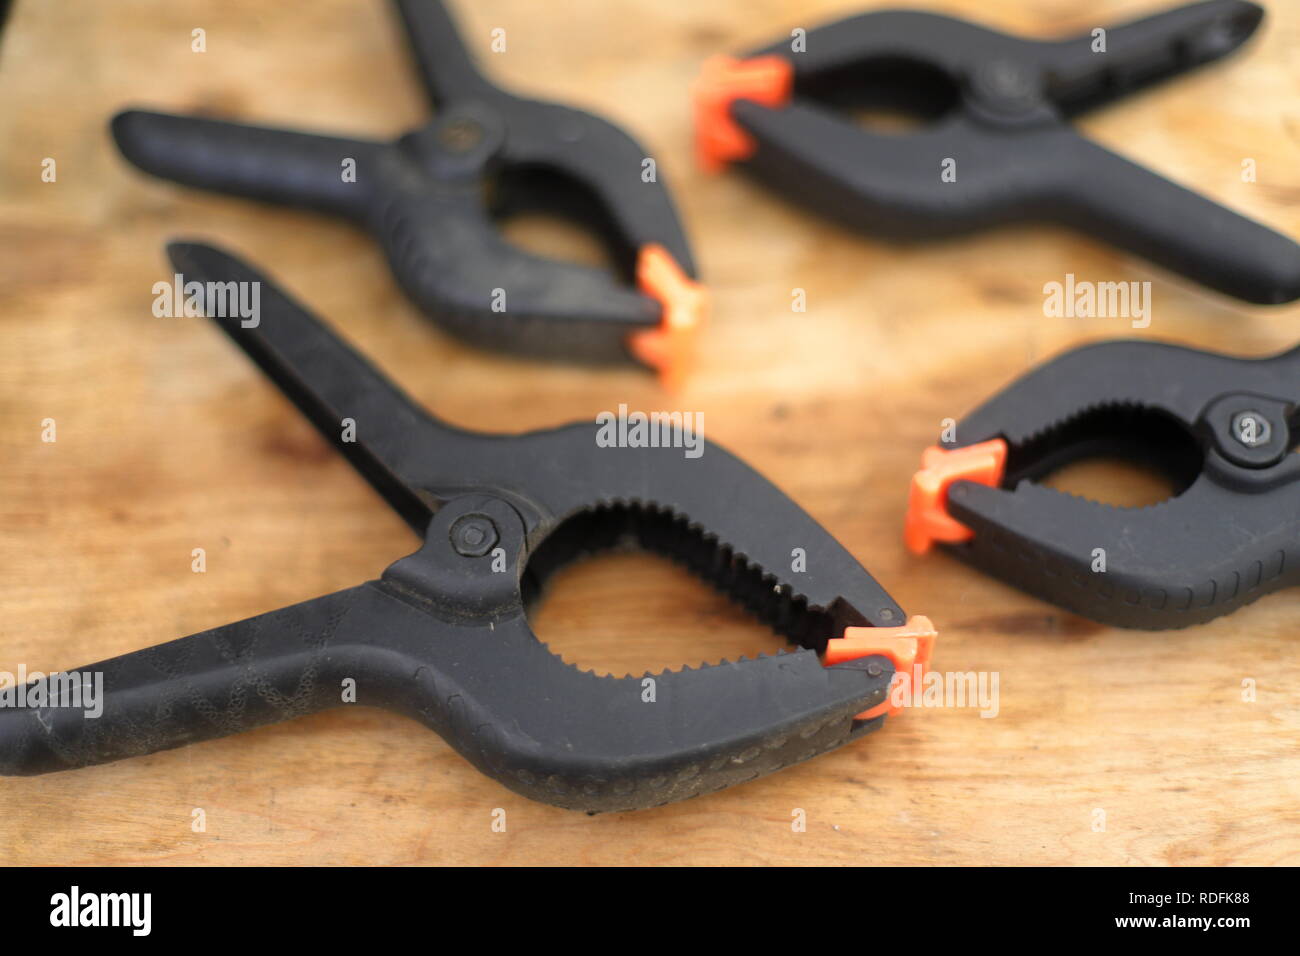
{"x":168,"y":439}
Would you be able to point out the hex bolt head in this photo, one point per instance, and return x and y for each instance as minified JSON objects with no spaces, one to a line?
{"x":473,"y":535}
{"x":1251,"y":428}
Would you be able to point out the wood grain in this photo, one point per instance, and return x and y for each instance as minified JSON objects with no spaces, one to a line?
{"x":168,"y":440}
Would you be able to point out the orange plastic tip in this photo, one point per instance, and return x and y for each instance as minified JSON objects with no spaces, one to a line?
{"x":766,"y":80}
{"x":928,"y":520}
{"x":670,"y":346}
{"x":908,"y":646}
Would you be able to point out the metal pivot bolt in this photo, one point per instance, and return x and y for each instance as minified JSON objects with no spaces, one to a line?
{"x":474,"y":535}
{"x":1251,"y":428}
{"x":461,"y":134}
{"x":1006,"y":85}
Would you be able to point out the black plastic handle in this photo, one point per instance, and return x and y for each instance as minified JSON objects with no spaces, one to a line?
{"x":1081,"y":75}
{"x":1137,"y":210}
{"x":262,"y":670}
{"x":445,"y":65}
{"x":325,"y":173}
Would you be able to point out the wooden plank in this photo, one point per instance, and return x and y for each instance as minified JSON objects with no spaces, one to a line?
{"x":168,"y":440}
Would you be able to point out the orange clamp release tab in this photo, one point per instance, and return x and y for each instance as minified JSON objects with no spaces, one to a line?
{"x":909,"y":647}
{"x":767,"y":80}
{"x":670,"y":346}
{"x":928,"y":520}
